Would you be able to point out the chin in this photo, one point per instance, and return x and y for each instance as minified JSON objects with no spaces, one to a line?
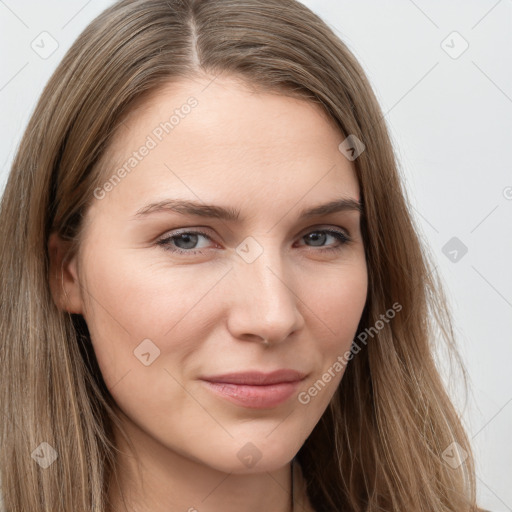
{"x":256,"y":454}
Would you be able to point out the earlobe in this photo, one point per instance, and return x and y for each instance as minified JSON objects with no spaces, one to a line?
{"x":63,"y":275}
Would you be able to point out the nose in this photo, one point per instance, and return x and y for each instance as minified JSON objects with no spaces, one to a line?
{"x":265,"y":301}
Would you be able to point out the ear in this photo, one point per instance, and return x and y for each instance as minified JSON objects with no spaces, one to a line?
{"x":63,"y":275}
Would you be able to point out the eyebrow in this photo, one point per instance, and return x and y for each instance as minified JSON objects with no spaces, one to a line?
{"x":188,"y":207}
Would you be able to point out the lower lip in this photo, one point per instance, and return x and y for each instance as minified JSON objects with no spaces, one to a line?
{"x":255,"y":397}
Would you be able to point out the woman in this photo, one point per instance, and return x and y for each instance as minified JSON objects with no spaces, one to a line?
{"x":214,"y":297}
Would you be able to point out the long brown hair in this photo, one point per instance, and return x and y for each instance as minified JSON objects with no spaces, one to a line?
{"x":379,"y":446}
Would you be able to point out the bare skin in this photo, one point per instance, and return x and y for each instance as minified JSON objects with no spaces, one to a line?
{"x":268,"y":156}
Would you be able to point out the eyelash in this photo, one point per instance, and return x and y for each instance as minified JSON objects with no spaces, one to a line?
{"x":165,"y":242}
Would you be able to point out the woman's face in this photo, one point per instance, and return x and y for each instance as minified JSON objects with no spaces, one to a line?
{"x":174,"y":296}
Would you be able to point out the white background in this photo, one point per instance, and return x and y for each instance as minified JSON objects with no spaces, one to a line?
{"x":451,"y":123}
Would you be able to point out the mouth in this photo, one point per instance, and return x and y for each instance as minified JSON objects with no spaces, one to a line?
{"x":256,"y":390}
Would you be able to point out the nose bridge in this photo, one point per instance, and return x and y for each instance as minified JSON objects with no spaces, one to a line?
{"x":265,"y":303}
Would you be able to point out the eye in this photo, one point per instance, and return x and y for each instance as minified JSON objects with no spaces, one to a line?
{"x":185,"y":242}
{"x":319,"y":236}
{"x":186,"y":239}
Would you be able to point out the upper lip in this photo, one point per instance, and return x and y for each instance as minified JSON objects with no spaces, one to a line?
{"x":257,"y":378}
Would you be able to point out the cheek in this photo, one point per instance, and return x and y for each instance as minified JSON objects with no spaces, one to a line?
{"x":129,"y":301}
{"x":336,"y":299}
{"x":141,"y":322}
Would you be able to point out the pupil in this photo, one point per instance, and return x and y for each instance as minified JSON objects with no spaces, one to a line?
{"x":190,"y":238}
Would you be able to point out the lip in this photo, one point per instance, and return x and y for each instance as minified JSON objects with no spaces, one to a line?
{"x":254,"y":389}
{"x":257,"y":378}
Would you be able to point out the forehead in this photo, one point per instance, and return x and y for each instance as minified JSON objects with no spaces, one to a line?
{"x":223,"y":141}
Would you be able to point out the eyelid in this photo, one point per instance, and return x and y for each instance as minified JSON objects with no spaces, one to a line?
{"x":180,"y":231}
{"x":341,"y":234}
{"x":199,"y":230}
{"x":324,"y":227}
